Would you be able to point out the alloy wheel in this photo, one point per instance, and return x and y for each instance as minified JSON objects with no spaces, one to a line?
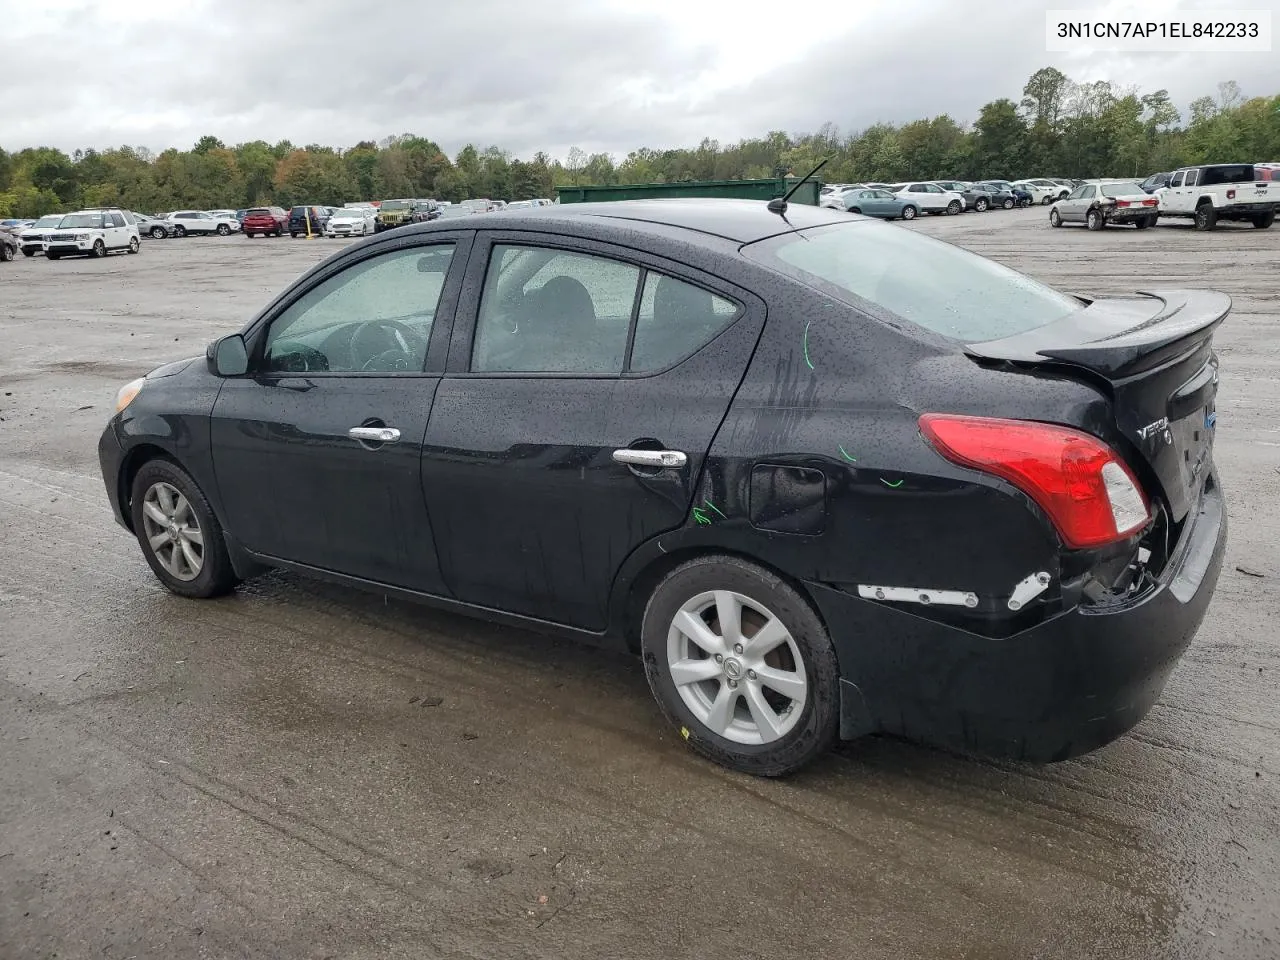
{"x":736,"y":667}
{"x":173,"y":533}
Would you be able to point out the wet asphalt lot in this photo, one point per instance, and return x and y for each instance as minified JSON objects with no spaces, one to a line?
{"x":301,"y":770}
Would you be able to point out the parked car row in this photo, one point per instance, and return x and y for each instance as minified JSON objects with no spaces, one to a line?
{"x":906,"y":201}
{"x":1205,"y":194}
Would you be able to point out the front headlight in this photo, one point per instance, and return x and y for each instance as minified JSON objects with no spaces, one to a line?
{"x":82,"y":236}
{"x":126,"y":394}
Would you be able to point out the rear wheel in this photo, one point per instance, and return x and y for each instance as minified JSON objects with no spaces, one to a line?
{"x":741,"y":665}
{"x":1206,"y":217}
{"x":179,"y":231}
{"x":248,"y":234}
{"x":134,"y":245}
{"x":855,"y":210}
{"x":1055,"y":218}
{"x":909,"y":213}
{"x":99,"y":249}
{"x":1009,"y":204}
{"x":293,"y":234}
{"x":223,"y":229}
{"x":954,"y":207}
{"x":6,"y":253}
{"x":1264,"y":220}
{"x":157,"y":233}
{"x":28,"y":253}
{"x":178,"y":532}
{"x":1094,"y":219}
{"x":52,"y":256}
{"x":1142,"y":223}
{"x":1047,"y":200}
{"x":980,"y":205}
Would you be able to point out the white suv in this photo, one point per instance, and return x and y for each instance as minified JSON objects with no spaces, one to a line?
{"x":92,"y":233}
{"x":184,"y":222}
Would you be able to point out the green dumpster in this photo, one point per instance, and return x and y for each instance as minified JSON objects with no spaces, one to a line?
{"x":738,"y":189}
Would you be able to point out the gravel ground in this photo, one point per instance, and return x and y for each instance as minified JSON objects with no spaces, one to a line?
{"x":300,"y":770}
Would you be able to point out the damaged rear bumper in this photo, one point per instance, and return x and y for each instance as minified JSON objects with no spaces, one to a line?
{"x":1068,"y":685}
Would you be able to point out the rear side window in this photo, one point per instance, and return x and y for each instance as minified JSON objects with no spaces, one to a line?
{"x":675,"y":319}
{"x":1227,"y":173}
{"x":932,"y":284}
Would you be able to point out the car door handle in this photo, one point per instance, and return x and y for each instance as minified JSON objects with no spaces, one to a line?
{"x":650,"y":458}
{"x":374,"y":434}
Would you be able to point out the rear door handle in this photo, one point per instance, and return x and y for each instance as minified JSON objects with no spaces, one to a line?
{"x":650,"y":458}
{"x":374,"y":434}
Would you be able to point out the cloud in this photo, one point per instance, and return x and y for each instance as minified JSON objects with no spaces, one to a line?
{"x":601,"y":74}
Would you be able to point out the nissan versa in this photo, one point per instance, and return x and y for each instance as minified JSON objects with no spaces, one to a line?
{"x":826,"y":475}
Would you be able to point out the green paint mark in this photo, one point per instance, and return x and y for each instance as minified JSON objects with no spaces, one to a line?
{"x":845,"y":453}
{"x":700,"y":516}
{"x":806,"y":344}
{"x":895,"y":485}
{"x":712,"y":506}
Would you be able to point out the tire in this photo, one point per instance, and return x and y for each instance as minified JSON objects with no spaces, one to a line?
{"x":909,"y":212}
{"x":28,"y":253}
{"x":1055,"y":218}
{"x":223,"y":230}
{"x":1206,"y":217}
{"x":293,"y":234}
{"x":856,"y":210}
{"x":1094,"y":219}
{"x":954,"y":207}
{"x":6,"y":253}
{"x":134,"y":245}
{"x":803,"y":663}
{"x":179,"y":231}
{"x":1047,"y":200}
{"x":1263,"y":221}
{"x":1153,"y":220}
{"x":248,"y":235}
{"x":980,"y":205}
{"x":159,"y":484}
{"x":157,"y":233}
{"x":53,"y":256}
{"x":99,"y":249}
{"x":1142,"y":223}
{"x":1009,"y":204}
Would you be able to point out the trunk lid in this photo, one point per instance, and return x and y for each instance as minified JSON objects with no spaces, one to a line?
{"x":1154,"y":351}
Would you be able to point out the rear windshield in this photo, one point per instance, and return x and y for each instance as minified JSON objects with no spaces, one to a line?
{"x":932,"y":284}
{"x":1227,"y":173}
{"x":258,"y":212}
{"x":1120,"y":189}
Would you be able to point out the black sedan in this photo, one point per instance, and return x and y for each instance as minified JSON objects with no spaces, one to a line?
{"x":826,"y":475}
{"x":983,"y":197}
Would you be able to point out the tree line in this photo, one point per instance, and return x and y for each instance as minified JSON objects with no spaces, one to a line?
{"x":1057,"y":128}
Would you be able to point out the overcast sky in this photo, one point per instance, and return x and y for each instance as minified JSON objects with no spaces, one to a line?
{"x":540,"y":75}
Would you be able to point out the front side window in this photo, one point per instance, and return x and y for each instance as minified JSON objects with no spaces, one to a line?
{"x":553,"y":311}
{"x":373,"y":317}
{"x":932,"y":284}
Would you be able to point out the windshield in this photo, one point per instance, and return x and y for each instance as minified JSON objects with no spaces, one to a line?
{"x":1126,"y":189}
{"x":932,"y":284}
{"x":82,"y":220}
{"x":395,"y":205}
{"x":52,"y":221}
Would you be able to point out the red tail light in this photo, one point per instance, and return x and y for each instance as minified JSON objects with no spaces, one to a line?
{"x":1122,"y":203}
{"x":1089,"y":494}
{"x":1231,"y":194}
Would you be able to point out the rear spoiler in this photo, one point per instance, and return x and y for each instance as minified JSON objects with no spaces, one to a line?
{"x":1117,"y":337}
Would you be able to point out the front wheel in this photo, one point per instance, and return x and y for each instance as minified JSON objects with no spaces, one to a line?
{"x":1047,"y":200}
{"x":157,"y":233}
{"x":741,"y":665}
{"x":1264,"y":220}
{"x":99,"y":249}
{"x":223,"y":229}
{"x":909,"y":213}
{"x":1094,"y":220}
{"x":134,"y":245}
{"x":1055,"y":218}
{"x":28,"y":253}
{"x":178,"y":532}
{"x":953,"y":208}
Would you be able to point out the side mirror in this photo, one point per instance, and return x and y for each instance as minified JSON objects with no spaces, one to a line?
{"x":228,"y":357}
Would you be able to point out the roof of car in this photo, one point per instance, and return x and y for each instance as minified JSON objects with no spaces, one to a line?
{"x":742,"y":221}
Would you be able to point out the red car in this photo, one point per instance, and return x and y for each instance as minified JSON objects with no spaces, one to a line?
{"x":268,"y":221}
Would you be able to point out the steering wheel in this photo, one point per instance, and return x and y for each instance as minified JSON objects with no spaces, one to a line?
{"x":399,"y":357}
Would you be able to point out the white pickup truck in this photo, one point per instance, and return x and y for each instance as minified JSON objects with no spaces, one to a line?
{"x":1220,"y":191}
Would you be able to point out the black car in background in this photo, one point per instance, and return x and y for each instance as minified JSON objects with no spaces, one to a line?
{"x":304,"y":219}
{"x":982,"y":197}
{"x":1156,"y":181}
{"x":828,"y":476}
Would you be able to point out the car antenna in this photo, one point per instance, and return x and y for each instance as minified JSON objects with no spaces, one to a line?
{"x":778,"y":205}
